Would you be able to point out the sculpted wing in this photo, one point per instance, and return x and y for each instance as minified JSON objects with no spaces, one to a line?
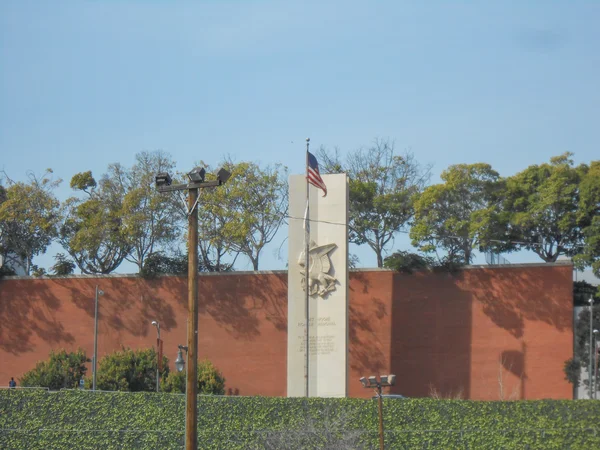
{"x":321,"y":254}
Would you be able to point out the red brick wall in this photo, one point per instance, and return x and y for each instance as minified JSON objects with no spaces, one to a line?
{"x":482,"y":333}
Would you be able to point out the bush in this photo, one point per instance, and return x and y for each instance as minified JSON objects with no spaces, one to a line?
{"x":63,"y":266}
{"x":158,"y":263}
{"x":407,"y":262}
{"x":61,"y":370}
{"x":129,"y":370}
{"x":210,"y":380}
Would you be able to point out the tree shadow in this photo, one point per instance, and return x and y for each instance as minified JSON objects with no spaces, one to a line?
{"x":510,"y":296}
{"x":127,"y":304}
{"x":28,"y":311}
{"x":239,"y":303}
{"x":366,"y":342}
{"x":431,"y":335}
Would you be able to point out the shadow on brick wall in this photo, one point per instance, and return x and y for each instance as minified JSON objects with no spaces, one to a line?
{"x":431,"y":336}
{"x":28,"y":310}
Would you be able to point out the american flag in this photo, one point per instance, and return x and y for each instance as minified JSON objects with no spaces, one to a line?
{"x":312,"y":174}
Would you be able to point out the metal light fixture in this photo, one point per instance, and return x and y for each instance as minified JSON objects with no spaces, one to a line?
{"x":590,"y":388}
{"x":197,"y":175}
{"x":163,"y":179}
{"x":163,"y":184}
{"x":180,"y":362}
{"x":222,"y":175}
{"x":373,"y":382}
{"x":595,"y":333}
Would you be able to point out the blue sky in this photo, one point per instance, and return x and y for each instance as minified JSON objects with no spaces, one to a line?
{"x":87,"y":83}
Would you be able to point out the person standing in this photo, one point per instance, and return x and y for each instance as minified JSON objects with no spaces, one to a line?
{"x":12,"y":383}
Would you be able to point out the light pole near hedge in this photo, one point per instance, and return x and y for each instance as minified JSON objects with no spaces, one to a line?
{"x":163,"y":183}
{"x":590,"y":365}
{"x":158,"y":354}
{"x":373,"y":382}
{"x":99,"y":292}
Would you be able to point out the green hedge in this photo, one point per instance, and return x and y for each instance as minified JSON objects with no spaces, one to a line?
{"x":37,"y":419}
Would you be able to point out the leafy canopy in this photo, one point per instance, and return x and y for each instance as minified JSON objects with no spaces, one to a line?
{"x":458,"y":214}
{"x":382,"y":185}
{"x":130,"y":370}
{"x":544,"y":205}
{"x":29,"y":215}
{"x":62,"y":370}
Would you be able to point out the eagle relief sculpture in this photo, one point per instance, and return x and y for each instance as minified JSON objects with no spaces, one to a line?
{"x":319,"y":281}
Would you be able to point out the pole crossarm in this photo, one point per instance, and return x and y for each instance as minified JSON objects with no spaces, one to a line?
{"x":186,"y":186}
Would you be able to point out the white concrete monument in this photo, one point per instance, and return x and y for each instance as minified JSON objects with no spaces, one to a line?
{"x":323,"y":372}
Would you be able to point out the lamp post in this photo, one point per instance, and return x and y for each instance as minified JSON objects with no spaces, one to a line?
{"x":373,"y":382}
{"x":180,"y":362}
{"x":99,"y":292}
{"x":179,"y":366}
{"x":591,"y":302}
{"x":595,"y":333}
{"x":158,"y":353}
{"x":163,"y":183}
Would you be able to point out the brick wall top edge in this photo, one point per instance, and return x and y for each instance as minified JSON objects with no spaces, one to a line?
{"x":561,"y":263}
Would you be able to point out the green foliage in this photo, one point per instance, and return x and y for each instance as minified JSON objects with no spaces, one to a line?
{"x":29,"y":216}
{"x":151,"y":219}
{"x":581,"y":353}
{"x":210,"y":380}
{"x":37,"y":271}
{"x":130,"y":370}
{"x":572,"y":369}
{"x":63,"y":266}
{"x":83,"y":181}
{"x":158,"y":264}
{"x":458,"y":214}
{"x":244,"y":214}
{"x":589,"y":254}
{"x":582,"y":291}
{"x":40,"y":420}
{"x":61,"y":370}
{"x":7,"y":271}
{"x":544,"y":205}
{"x":92,"y":231}
{"x":408,"y":262}
{"x":382,"y":188}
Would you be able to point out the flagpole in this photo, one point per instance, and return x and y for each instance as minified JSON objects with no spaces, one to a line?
{"x":306,"y":269}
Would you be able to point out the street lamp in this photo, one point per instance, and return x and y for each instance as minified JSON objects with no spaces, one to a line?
{"x":99,"y":292}
{"x":180,"y":362}
{"x":164,"y":184}
{"x":595,"y":333}
{"x":373,"y":382}
{"x":158,"y":354}
{"x":591,"y":302}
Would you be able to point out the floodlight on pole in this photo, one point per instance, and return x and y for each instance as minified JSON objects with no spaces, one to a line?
{"x":595,"y":346}
{"x":197,"y":182}
{"x":197,"y":175}
{"x":591,"y":302}
{"x":163,"y":179}
{"x":378,"y":384}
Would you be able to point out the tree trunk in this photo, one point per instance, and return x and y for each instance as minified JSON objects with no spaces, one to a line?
{"x":379,"y":259}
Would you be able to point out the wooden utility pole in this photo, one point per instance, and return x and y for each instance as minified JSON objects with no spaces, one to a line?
{"x":191,"y":414}
{"x":163,"y":184}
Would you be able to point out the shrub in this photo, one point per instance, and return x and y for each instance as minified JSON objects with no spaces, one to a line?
{"x":210,"y":380}
{"x":61,"y":370}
